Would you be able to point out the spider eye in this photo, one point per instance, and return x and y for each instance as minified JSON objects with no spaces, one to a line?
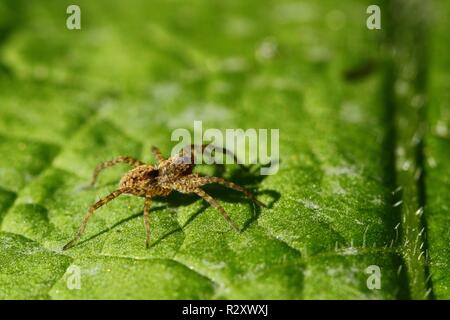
{"x":153,"y":173}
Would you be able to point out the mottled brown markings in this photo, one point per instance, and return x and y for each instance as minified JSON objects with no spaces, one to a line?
{"x":149,"y":181}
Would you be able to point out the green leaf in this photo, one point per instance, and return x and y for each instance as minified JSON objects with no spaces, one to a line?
{"x":28,"y":270}
{"x":437,"y":164}
{"x":138,"y":70}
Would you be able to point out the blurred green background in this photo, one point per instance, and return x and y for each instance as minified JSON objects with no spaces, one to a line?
{"x":363,"y":118}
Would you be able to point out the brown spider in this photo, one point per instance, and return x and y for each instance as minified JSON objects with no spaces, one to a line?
{"x":147,"y":181}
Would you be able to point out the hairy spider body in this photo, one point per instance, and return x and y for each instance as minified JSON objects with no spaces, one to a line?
{"x":148,"y":181}
{"x":140,"y":181}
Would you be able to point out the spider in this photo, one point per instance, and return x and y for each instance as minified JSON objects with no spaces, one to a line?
{"x":148,"y":181}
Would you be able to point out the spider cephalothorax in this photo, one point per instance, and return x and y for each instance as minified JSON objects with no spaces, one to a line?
{"x":149,"y":181}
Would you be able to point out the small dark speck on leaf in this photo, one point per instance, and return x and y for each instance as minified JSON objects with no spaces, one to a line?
{"x":360,"y":71}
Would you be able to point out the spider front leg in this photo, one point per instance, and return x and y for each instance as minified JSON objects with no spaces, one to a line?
{"x":234,"y":186}
{"x":122,"y":159}
{"x":89,"y":214}
{"x":191,"y":184}
{"x":157,"y":154}
{"x":195,"y":147}
{"x":200,"y":181}
{"x":147,"y":204}
{"x":213,"y":202}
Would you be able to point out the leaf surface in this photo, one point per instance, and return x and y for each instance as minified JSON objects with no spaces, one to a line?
{"x":138,"y":70}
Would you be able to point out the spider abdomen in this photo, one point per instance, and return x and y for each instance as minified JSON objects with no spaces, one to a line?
{"x":140,"y":178}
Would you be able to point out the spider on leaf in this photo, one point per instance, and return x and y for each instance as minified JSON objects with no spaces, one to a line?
{"x":148,"y":181}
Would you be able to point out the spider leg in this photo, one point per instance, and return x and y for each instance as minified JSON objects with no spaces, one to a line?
{"x":147,"y":203}
{"x":232,"y":185}
{"x":213,"y":202}
{"x":191,"y":184}
{"x":203,"y":147}
{"x":89,"y":214}
{"x":122,"y":159}
{"x":157,"y":153}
